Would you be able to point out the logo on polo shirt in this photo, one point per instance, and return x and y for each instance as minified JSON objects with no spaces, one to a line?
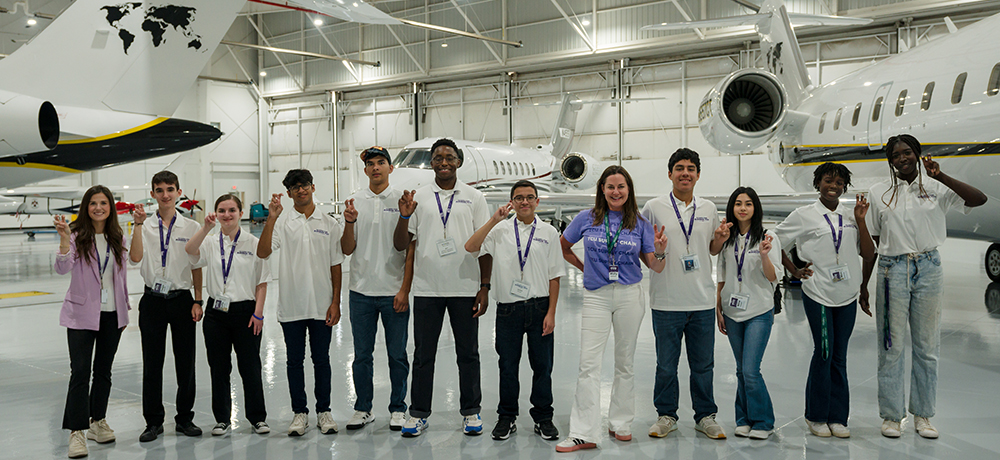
{"x":245,"y":253}
{"x":851,"y":226}
{"x":321,"y":232}
{"x":540,"y":240}
{"x":390,"y":210}
{"x":182,"y":240}
{"x":932,"y":196}
{"x":463,"y":201}
{"x":701,"y":219}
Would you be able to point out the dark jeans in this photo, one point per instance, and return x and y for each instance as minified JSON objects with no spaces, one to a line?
{"x":365,"y":312}
{"x":155,"y":314}
{"x":81,"y":406}
{"x":698,"y":330}
{"x":828,"y":395}
{"x":224,"y":333}
{"x":295,"y":350}
{"x":428,"y":317}
{"x":514,"y":321}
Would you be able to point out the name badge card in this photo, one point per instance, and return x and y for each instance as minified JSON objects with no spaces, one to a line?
{"x":104,"y":295}
{"x":221,"y":303}
{"x":613,"y":273}
{"x":840,"y":273}
{"x":161,"y":286}
{"x":520,"y":289}
{"x":739,"y":301}
{"x":691,"y":263}
{"x":446,"y":247}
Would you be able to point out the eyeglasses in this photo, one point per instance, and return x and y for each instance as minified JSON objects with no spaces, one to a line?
{"x":298,"y":187}
{"x":519,"y":198}
{"x":444,"y":159}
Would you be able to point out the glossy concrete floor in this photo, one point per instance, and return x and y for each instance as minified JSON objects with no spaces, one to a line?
{"x":34,"y":370}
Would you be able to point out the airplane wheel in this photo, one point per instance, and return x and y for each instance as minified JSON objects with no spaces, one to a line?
{"x":993,"y":298}
{"x":993,"y":262}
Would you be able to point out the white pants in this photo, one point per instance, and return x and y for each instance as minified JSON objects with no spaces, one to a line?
{"x":613,"y":306}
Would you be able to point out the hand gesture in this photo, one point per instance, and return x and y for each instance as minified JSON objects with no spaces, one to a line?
{"x":803,"y":273}
{"x":932,"y":167}
{"x":406,"y":203}
{"x":660,"y":238}
{"x":350,"y":212}
{"x":139,"y":214}
{"x":722,"y":233}
{"x":210,"y":219}
{"x":863,"y":301}
{"x":501,"y":213}
{"x":860,"y":207}
{"x":62,"y":226}
{"x":765,"y":245}
{"x":274,"y":207}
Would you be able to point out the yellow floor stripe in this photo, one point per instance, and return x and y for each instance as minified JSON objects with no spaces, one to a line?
{"x":15,"y":295}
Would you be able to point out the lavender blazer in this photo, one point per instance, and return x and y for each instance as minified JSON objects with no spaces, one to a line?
{"x":82,"y":307}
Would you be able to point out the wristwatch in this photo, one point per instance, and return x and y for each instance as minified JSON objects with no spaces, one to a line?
{"x":200,"y":302}
{"x":484,"y":285}
{"x":660,"y":256}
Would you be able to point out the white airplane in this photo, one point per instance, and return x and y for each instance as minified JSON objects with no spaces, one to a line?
{"x":92,"y":89}
{"x":945,"y":93}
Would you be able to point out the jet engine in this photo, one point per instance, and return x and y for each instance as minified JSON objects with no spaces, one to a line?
{"x":27,"y":124}
{"x":579,"y":171}
{"x":743,"y":111}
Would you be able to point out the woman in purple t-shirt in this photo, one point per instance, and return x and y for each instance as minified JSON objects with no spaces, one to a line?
{"x":615,"y":239}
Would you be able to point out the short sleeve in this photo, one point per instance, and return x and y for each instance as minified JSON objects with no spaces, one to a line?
{"x":790,"y":229}
{"x":948,"y":199}
{"x":720,"y":266}
{"x":647,"y":213}
{"x":276,"y":233}
{"x":490,"y":242}
{"x":411,"y":223}
{"x":574,"y":231}
{"x":648,"y":236}
{"x":336,"y":252}
{"x":775,"y":255}
{"x":201,"y":259}
{"x":480,"y":210}
{"x":262,"y":270}
{"x":874,"y":217}
{"x":557,"y":265}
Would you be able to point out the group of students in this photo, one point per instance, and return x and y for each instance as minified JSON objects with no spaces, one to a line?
{"x":451,"y":252}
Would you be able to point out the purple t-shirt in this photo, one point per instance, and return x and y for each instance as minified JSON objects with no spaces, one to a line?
{"x":630,"y":244}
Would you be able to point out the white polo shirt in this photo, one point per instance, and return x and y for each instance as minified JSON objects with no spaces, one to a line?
{"x":760,"y":290}
{"x":455,"y":275}
{"x":247,"y":270}
{"x":376,"y":266}
{"x":807,"y":229}
{"x":675,"y":289}
{"x":543,"y":263}
{"x":178,"y":265}
{"x":913,"y":222}
{"x":309,"y":247}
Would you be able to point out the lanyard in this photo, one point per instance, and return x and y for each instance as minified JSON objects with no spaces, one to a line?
{"x":222,"y":249}
{"x":690,"y":228}
{"x":611,"y":242}
{"x":527,"y":247}
{"x":444,"y":217}
{"x":838,"y":235}
{"x":165,"y":246}
{"x":740,"y":258}
{"x":107,"y":257}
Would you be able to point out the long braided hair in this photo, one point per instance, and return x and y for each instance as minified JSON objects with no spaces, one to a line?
{"x":890,"y":145}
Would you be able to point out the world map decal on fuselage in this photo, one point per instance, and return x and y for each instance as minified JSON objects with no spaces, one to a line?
{"x":156,"y":20}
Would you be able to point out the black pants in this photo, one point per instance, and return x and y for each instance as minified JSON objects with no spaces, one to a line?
{"x":81,"y":406}
{"x":515,"y":321}
{"x":225,"y":332}
{"x":155,"y":314}
{"x":428,"y":317}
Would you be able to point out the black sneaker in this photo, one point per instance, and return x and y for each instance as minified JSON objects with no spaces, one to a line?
{"x":188,"y":428}
{"x":503,"y":429}
{"x":150,"y":433}
{"x":547,"y":430}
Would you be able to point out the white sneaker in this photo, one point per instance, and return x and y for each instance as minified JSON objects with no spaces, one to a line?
{"x":759,"y":434}
{"x":924,"y":427}
{"x":324,"y":420}
{"x":743,"y":431}
{"x":472,"y":425}
{"x":572,"y":444}
{"x":359,"y":420}
{"x":819,"y":429}
{"x":663,"y":426}
{"x":890,"y":429}
{"x":396,"y":421}
{"x":220,"y":429}
{"x":261,"y":428}
{"x":840,"y":430}
{"x":101,"y":432}
{"x":414,"y":427}
{"x":709,"y":427}
{"x":300,"y":423}
{"x":77,"y":444}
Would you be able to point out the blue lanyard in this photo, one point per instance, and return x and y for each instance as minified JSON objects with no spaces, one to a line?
{"x":444,"y":217}
{"x":527,"y":247}
{"x":690,"y":228}
{"x":165,"y":246}
{"x":740,"y":257}
{"x":107,"y":257}
{"x":226,"y":269}
{"x":838,"y":235}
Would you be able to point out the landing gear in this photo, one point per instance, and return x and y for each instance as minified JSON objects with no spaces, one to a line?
{"x":993,"y":262}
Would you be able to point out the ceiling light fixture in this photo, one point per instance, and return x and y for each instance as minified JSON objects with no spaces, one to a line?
{"x":444,"y":44}
{"x":263,"y":73}
{"x":317,"y":22}
{"x":32,"y":21}
{"x":585,"y":22}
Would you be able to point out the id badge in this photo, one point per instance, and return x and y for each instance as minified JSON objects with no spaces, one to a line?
{"x":739,"y":301}
{"x":613,"y":273}
{"x":161,"y":286}
{"x":840,"y":273}
{"x":520,"y":289}
{"x":221,"y":303}
{"x":104,"y":295}
{"x":446,"y":247}
{"x":691,"y":263}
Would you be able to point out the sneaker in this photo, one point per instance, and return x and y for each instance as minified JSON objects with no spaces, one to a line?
{"x":663,"y":426}
{"x":325,"y":422}
{"x":188,"y":429}
{"x":574,"y":444}
{"x":759,"y":434}
{"x":743,"y":431}
{"x":623,"y":435}
{"x":359,"y":420}
{"x":819,"y":429}
{"x":220,"y":429}
{"x":396,"y":421}
{"x":77,"y":444}
{"x":101,"y":432}
{"x":261,"y":428}
{"x":547,"y":430}
{"x":150,"y":433}
{"x":503,"y":429}
{"x":414,"y":427}
{"x":890,"y":429}
{"x":710,"y":427}
{"x":300,"y":423}
{"x":472,"y":425}
{"x":924,"y":427}
{"x":840,"y":430}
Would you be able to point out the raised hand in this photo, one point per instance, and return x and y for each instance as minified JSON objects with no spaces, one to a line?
{"x":860,"y":207}
{"x":765,"y":245}
{"x":139,"y":214}
{"x":210,"y":219}
{"x":932,"y":167}
{"x":501,"y":213}
{"x":406,"y":203}
{"x":804,"y":272}
{"x":62,"y":226}
{"x":660,"y":238}
{"x":350,"y":212}
{"x":722,"y":233}
{"x":274,"y":207}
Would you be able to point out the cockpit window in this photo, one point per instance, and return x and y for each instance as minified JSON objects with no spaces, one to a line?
{"x":413,"y":158}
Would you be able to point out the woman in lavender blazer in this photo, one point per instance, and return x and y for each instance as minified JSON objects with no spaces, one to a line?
{"x":92,"y":249}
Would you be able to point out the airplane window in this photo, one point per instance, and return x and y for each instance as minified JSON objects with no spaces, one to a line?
{"x":503,"y":168}
{"x":877,"y":109}
{"x":994,"y":87}
{"x":857,"y":113}
{"x":925,"y":100}
{"x":836,"y":120}
{"x":900,"y":101}
{"x":822,"y":122}
{"x":414,"y":158}
{"x":496,"y":169}
{"x":956,"y":92}
{"x":532,"y":170}
{"x":510,"y":168}
{"x":521,"y":166}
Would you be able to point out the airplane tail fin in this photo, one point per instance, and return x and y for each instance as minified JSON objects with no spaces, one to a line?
{"x":133,"y":56}
{"x":562,"y":135}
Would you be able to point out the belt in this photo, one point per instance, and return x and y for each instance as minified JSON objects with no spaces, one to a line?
{"x":527,"y":303}
{"x":170,"y":295}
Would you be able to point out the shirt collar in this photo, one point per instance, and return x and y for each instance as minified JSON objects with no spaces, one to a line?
{"x":385,"y":193}
{"x":435,"y":188}
{"x":823,"y":210}
{"x":299,"y":215}
{"x":680,"y":203}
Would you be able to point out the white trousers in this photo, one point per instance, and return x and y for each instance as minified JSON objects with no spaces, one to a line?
{"x":613,"y":306}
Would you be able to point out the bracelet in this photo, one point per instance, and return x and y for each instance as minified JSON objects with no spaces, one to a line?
{"x":405,"y":217}
{"x":137,"y":223}
{"x":200,"y":302}
{"x":258,"y":318}
{"x":350,"y":221}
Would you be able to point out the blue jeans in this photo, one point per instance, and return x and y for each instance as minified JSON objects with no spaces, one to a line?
{"x":365,"y":312}
{"x":514,"y":321}
{"x":698,"y":329}
{"x":295,"y":352}
{"x":828,"y":395}
{"x":913,"y":283}
{"x":749,"y":339}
